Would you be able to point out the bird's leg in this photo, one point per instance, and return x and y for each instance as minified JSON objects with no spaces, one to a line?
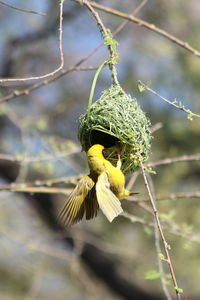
{"x":119,"y":162}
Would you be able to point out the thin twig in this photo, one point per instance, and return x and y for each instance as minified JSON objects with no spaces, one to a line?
{"x":171,"y":160}
{"x":117,"y":30}
{"x":179,"y":195}
{"x":59,"y":68}
{"x":173,"y":103}
{"x":21,"y":92}
{"x":156,"y":127}
{"x":135,"y":219}
{"x":76,"y":67}
{"x":178,"y":230}
{"x":48,"y":182}
{"x":96,"y":16}
{"x":22,"y":188}
{"x":160,"y":263}
{"x":172,"y":196}
{"x":22,"y":9}
{"x":168,"y":226}
{"x":145,"y":24}
{"x":166,"y":245}
{"x":132,"y":180}
{"x":135,"y":11}
{"x":158,"y":244}
{"x":104,"y":32}
{"x":37,"y":188}
{"x":32,"y":159}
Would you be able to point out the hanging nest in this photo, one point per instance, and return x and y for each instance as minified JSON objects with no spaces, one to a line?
{"x":116,"y":117}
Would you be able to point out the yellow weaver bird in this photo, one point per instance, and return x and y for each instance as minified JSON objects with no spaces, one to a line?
{"x":102,"y":188}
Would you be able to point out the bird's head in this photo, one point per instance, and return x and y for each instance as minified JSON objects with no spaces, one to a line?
{"x":95,"y":150}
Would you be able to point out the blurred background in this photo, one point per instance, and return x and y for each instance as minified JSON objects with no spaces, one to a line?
{"x":39,"y":259}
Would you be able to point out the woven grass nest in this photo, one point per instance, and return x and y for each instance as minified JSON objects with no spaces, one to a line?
{"x":116,"y":117}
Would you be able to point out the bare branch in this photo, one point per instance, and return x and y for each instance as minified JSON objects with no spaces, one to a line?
{"x":22,"y":9}
{"x":134,"y":12}
{"x":33,"y":189}
{"x":160,"y":263}
{"x":158,"y":245}
{"x":173,"y":103}
{"x":166,"y":245}
{"x":156,"y":127}
{"x":32,"y":159}
{"x":147,"y":25}
{"x":49,"y":182}
{"x":169,"y":226}
{"x":59,"y":68}
{"x":132,"y":180}
{"x":171,"y":160}
{"x":18,"y":93}
{"x":104,"y":31}
{"x":135,"y":219}
{"x":171,"y":196}
{"x":118,"y":29}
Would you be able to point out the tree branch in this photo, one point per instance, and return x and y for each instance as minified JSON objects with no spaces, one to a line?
{"x":21,"y":92}
{"x":59,"y":68}
{"x":171,"y":160}
{"x":171,"y":196}
{"x":18,"y":93}
{"x":145,"y":24}
{"x":172,"y":103}
{"x":166,"y":245}
{"x":22,"y":9}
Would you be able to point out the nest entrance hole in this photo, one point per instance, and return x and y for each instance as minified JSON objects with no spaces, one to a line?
{"x":105,"y":139}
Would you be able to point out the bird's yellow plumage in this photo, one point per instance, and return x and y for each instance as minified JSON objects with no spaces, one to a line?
{"x":102,"y":188}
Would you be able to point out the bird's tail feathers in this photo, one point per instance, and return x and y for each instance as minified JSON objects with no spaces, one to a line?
{"x":108,"y":202}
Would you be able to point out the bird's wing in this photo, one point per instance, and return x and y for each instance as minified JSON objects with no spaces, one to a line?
{"x":108,"y":202}
{"x":91,"y":205}
{"x":74,"y":209}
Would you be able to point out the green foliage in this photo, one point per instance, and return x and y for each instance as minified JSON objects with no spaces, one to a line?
{"x":112,"y":43}
{"x":177,"y":289}
{"x":162,"y":257}
{"x":190,"y":115}
{"x":152,"y":275}
{"x":141,"y":88}
{"x":169,"y":215}
{"x":147,"y":231}
{"x":149,"y":170}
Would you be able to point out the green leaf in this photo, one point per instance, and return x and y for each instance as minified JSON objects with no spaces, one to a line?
{"x":189,"y":115}
{"x":141,"y":88}
{"x":152,"y":275}
{"x":161,"y":256}
{"x":168,"y":216}
{"x":177,"y":289}
{"x":148,"y":231}
{"x":149,"y":170}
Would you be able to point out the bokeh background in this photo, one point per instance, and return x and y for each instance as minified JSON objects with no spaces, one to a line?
{"x":38,"y":258}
